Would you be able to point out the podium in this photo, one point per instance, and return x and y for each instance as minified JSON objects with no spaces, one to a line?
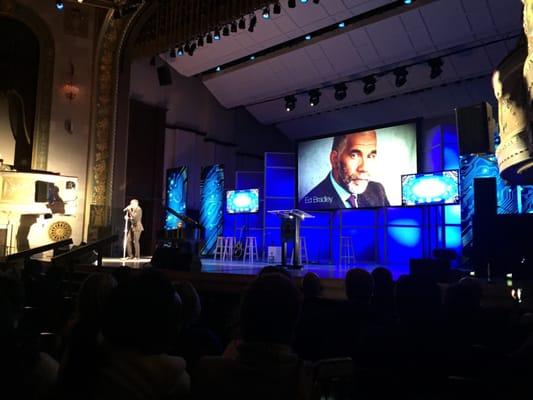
{"x":290,"y":232}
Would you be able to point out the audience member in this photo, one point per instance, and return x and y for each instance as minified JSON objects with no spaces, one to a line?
{"x":195,"y":340}
{"x":383,"y":295}
{"x":264,"y":367}
{"x":140,"y":324}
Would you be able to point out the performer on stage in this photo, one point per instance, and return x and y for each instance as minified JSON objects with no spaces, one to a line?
{"x":134,"y":215}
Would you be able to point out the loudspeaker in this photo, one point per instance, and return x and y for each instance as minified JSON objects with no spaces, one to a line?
{"x":172,"y":258}
{"x":163,"y":74}
{"x":485,"y":199}
{"x":475,"y":129}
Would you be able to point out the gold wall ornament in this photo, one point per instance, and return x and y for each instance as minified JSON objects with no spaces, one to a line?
{"x":59,"y":230}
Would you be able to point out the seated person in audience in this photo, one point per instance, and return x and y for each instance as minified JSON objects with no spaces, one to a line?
{"x":382,"y":301}
{"x":24,"y":371}
{"x":81,"y":357}
{"x":195,"y":340}
{"x":140,"y":323}
{"x":264,"y":366}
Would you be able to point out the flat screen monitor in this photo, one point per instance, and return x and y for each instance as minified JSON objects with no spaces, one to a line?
{"x":440,"y":187}
{"x":357,"y":168}
{"x":242,"y":201}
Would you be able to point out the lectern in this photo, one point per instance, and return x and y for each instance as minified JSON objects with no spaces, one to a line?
{"x":290,"y":232}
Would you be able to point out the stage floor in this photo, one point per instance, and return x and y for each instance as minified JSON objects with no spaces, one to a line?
{"x":237,"y":267}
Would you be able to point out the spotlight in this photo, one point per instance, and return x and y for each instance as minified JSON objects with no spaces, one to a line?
{"x":180,"y":51}
{"x":251,"y":25}
{"x":290,"y":103}
{"x":307,"y":37}
{"x":401,"y":76}
{"x":216,"y":35}
{"x":291,"y":3}
{"x":234,"y":27}
{"x":277,"y":8}
{"x":60,"y":5}
{"x":436,"y":67}
{"x":304,"y":1}
{"x":209,"y":38}
{"x":252,"y":58}
{"x":242,"y":23}
{"x":314,"y":97}
{"x":407,"y":2}
{"x":266,"y":12}
{"x":369,"y":84}
{"x":80,"y":1}
{"x":340,"y":91}
{"x":172,"y":53}
{"x":225,"y":31}
{"x":341,"y":25}
{"x":200,"y":41}
{"x":218,"y":69}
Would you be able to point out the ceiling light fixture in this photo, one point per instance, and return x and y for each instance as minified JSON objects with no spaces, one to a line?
{"x":209,"y":38}
{"x":291,"y":3}
{"x":290,"y":103}
{"x":242,"y":23}
{"x":60,"y":5}
{"x":369,"y":84}
{"x":234,"y":27}
{"x":200,"y":41}
{"x":314,"y":97}
{"x":277,"y":8}
{"x":436,"y":67}
{"x":266,"y":12}
{"x":216,"y":35}
{"x":225,"y":31}
{"x":340,"y":91}
{"x":401,"y":76}
{"x":251,"y":25}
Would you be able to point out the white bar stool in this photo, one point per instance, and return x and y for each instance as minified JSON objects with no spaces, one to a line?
{"x":250,"y":249}
{"x":303,"y":251}
{"x":347,"y":256}
{"x":229,"y":243}
{"x":219,"y":248}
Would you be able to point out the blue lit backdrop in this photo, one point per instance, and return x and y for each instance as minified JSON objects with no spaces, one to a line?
{"x":176,"y":195}
{"x":211,"y":205}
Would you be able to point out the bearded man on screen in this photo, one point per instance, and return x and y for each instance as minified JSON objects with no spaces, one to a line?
{"x":349,"y":184}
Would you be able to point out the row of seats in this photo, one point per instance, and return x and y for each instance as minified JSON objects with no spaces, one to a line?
{"x":227,"y":247}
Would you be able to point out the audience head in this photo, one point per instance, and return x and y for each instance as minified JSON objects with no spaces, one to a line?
{"x":417,"y":298}
{"x":190,"y":302}
{"x":143,"y":313}
{"x":463,"y":297}
{"x":311,"y":285}
{"x":11,"y":304}
{"x":383,"y":281}
{"x":270,"y":310}
{"x":93,"y":296}
{"x":359,"y":286}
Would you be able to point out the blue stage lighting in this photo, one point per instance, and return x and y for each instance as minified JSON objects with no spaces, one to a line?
{"x":303,"y":1}
{"x":341,"y":25}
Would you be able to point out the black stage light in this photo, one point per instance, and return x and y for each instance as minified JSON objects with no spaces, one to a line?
{"x":340,"y":91}
{"x":314,"y":97}
{"x":436,"y":67}
{"x":242,"y":23}
{"x":251,"y":25}
{"x":316,"y":1}
{"x":266,"y":12}
{"x":216,"y":34}
{"x":192,"y":48}
{"x":187,"y":47}
{"x":277,"y":8}
{"x":225,"y":31}
{"x":209,"y":38}
{"x":200,"y":41}
{"x":369,"y":84}
{"x":234,"y":27}
{"x":290,"y":102}
{"x":180,"y":51}
{"x":291,"y":3}
{"x":401,"y":76}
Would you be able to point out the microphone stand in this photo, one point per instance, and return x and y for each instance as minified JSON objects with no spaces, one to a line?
{"x":125,"y":240}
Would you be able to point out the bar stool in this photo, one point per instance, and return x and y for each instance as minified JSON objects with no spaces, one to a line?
{"x":229,"y":243}
{"x":347,"y":255}
{"x":250,"y":249}
{"x":303,"y":251}
{"x":219,"y":248}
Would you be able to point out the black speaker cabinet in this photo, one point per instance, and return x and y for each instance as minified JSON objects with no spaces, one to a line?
{"x":164,"y":76}
{"x":485,"y":199}
{"x":475,"y":128}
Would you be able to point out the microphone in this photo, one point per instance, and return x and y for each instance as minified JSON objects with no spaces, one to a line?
{"x":126,"y":208}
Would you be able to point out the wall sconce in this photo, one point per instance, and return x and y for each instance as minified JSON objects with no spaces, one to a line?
{"x":71,"y":91}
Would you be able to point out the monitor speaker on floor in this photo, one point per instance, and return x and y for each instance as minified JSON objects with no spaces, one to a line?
{"x":164,"y":76}
{"x":475,"y":129}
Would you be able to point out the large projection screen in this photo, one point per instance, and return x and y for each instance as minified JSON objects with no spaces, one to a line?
{"x":356,"y":169}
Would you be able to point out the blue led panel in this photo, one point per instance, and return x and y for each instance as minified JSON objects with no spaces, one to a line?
{"x":279,"y":160}
{"x":431,"y":188}
{"x":176,"y":197}
{"x":211,"y":205}
{"x":411,"y":216}
{"x":279,"y":182}
{"x":404,"y":243}
{"x":242,"y":201}
{"x":358,"y":218}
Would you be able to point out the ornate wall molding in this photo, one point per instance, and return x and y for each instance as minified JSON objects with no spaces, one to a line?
{"x":43,"y":100}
